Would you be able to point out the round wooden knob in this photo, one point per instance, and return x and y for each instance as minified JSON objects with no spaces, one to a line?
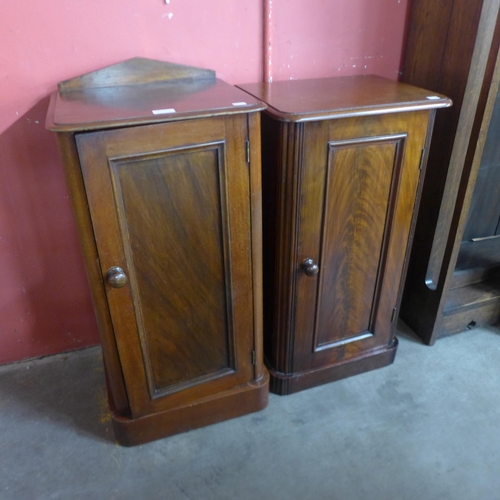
{"x":116,"y":277}
{"x":310,"y":267}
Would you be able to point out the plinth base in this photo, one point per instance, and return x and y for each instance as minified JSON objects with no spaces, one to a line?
{"x":284,"y":384}
{"x":229,"y":404}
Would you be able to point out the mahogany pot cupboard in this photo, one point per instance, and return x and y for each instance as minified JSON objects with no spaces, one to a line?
{"x":163,"y":165}
{"x":453,"y":277}
{"x":343,"y":160}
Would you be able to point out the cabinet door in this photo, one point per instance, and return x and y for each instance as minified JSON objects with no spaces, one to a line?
{"x":357,"y":190}
{"x":170,"y":205}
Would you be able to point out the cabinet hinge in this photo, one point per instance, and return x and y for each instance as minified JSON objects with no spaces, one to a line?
{"x":247,"y":150}
{"x":254,"y":358}
{"x":422,"y":156}
{"x":393,"y":317}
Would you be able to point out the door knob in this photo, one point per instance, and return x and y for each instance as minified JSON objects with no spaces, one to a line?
{"x":116,"y":277}
{"x":310,"y":267}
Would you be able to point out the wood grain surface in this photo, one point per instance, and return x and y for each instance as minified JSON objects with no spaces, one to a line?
{"x":341,"y":97}
{"x":463,"y":65}
{"x":163,"y":164}
{"x":340,"y":185}
{"x":358,"y":184}
{"x":166,"y":209}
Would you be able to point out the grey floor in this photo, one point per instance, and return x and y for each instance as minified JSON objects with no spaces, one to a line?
{"x":427,"y":427}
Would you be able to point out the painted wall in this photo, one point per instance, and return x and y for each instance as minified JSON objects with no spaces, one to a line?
{"x":323,"y":38}
{"x":45,"y":305}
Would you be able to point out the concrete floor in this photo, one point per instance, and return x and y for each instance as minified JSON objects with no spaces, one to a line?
{"x":427,"y":427}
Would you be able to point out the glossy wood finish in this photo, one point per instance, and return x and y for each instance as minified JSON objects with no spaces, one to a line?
{"x":136,"y":71}
{"x":462,"y":65}
{"x":117,"y":394}
{"x":173,"y":212}
{"x":134,"y":103}
{"x":323,"y":98}
{"x":340,"y":185}
{"x":475,"y":51}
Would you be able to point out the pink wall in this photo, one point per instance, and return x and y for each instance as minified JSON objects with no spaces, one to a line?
{"x":323,"y":38}
{"x":44,"y":299}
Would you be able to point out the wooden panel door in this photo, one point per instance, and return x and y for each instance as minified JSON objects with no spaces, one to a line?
{"x":168,"y":211}
{"x":358,"y":187}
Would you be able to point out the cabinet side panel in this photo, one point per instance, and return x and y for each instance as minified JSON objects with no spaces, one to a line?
{"x":114,"y":376}
{"x":465,"y":49}
{"x":271,"y":156}
{"x":356,"y":201}
{"x":172,"y":208}
{"x":254,"y":137}
{"x":431,"y":41}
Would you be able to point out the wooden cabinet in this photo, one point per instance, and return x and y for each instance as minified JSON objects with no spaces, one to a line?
{"x":164,"y":171}
{"x":453,"y":275}
{"x":342,"y":158}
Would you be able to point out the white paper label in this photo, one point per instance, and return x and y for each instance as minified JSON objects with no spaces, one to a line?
{"x":163,"y":111}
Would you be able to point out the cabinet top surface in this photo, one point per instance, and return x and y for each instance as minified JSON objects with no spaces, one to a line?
{"x":340,"y":97}
{"x":141,"y":91}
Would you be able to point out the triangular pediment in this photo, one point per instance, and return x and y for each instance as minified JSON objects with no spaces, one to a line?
{"x":136,"y":71}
